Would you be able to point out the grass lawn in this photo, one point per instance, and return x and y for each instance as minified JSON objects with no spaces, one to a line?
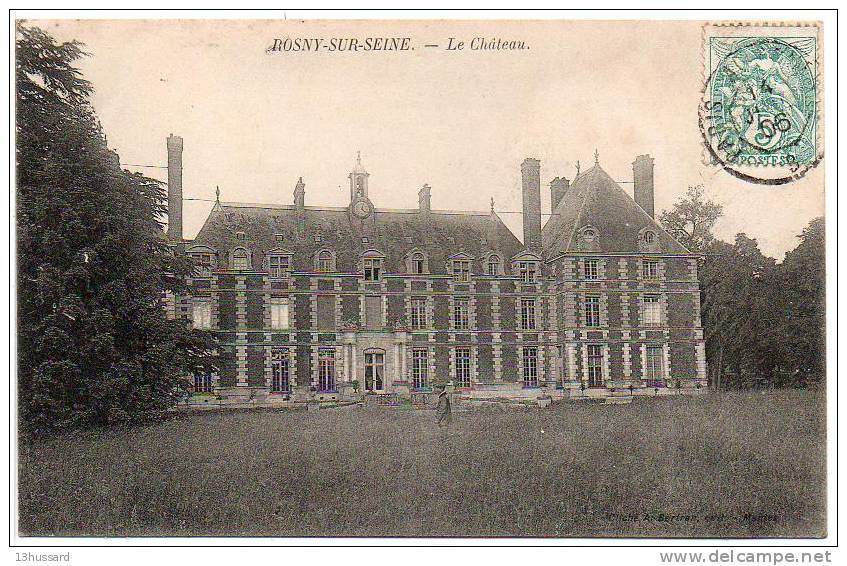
{"x":731,"y":464}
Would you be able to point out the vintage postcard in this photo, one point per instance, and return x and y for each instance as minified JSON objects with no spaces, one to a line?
{"x":540,"y":278}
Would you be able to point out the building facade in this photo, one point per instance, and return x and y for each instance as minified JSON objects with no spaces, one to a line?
{"x":335,"y":303}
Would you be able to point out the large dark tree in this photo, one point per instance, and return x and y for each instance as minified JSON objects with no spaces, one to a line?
{"x":763,"y":322}
{"x":94,"y":344}
{"x":800,"y":303}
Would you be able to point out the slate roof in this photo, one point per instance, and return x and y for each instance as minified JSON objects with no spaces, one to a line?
{"x":595,"y":199}
{"x":394,"y":233}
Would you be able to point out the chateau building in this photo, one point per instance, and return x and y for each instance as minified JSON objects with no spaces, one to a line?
{"x":332,"y":303}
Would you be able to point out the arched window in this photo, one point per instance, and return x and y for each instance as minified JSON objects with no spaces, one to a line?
{"x":240,"y":259}
{"x":648,"y":240}
{"x":589,"y":235}
{"x":418,"y":263}
{"x":493,"y":265}
{"x":325,"y":261}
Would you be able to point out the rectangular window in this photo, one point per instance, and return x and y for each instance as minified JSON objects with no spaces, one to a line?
{"x":326,"y":312}
{"x":652,"y":310}
{"x":373,"y":269}
{"x":461,"y":307}
{"x":420,"y":368}
{"x":278,"y":266}
{"x":650,"y":269}
{"x":201,"y":313}
{"x":592,"y":310}
{"x":418,"y":315}
{"x":591,"y":269}
{"x":280,"y":370}
{"x":463,"y":367}
{"x":655,"y":367}
{"x":203,"y":382}
{"x":595,"y":365}
{"x":202,"y":265}
{"x":418,"y":264}
{"x":462,"y":270}
{"x":326,"y":370}
{"x":279,"y":313}
{"x":530,"y":366}
{"x":373,"y":312}
{"x":527,"y":271}
{"x":527,"y":314}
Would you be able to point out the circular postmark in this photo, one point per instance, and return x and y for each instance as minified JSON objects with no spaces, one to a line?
{"x":758,"y":117}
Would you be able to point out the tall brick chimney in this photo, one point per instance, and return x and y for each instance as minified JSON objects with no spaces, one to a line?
{"x":642,"y":176}
{"x":531,"y":184}
{"x":300,"y":194}
{"x":425,"y":199}
{"x":174,"y":188}
{"x":558,"y":187}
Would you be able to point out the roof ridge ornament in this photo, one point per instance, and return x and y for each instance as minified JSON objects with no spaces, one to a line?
{"x":492,"y":205}
{"x":217,"y":194}
{"x":596,"y":157}
{"x":577,"y":170}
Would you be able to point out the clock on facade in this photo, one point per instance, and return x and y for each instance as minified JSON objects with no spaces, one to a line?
{"x":362,"y":208}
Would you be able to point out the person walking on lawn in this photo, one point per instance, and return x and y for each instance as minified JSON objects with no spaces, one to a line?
{"x":443,"y":411}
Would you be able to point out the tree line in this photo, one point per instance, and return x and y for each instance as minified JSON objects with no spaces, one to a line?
{"x":96,"y":348}
{"x":764,"y":322}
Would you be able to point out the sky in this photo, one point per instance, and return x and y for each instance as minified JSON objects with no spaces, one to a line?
{"x":462,"y":121}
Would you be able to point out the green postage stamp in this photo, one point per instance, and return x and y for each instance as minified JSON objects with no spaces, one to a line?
{"x":761,"y":109}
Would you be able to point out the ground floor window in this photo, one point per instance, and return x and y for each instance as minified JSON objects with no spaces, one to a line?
{"x":530,"y":366}
{"x":595,"y":365}
{"x":463,"y":367}
{"x":420,"y":368}
{"x":326,"y":369}
{"x":374,"y":371}
{"x":280,"y":370}
{"x":201,"y":313}
{"x":654,"y":370}
{"x":203,"y":382}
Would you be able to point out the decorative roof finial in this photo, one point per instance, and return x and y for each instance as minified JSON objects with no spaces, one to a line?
{"x":492,"y":205}
{"x":217,"y":194}
{"x":596,"y":157}
{"x":358,"y":157}
{"x":577,"y":169}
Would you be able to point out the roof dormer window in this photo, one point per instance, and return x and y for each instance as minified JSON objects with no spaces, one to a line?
{"x":588,"y":239}
{"x":372,"y":268}
{"x":205,"y":260}
{"x":494,"y":265}
{"x":240,"y":259}
{"x":648,"y":241}
{"x":278,"y":264}
{"x":325,"y":261}
{"x":528,"y":271}
{"x":417,"y":263}
{"x":462,"y":270}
